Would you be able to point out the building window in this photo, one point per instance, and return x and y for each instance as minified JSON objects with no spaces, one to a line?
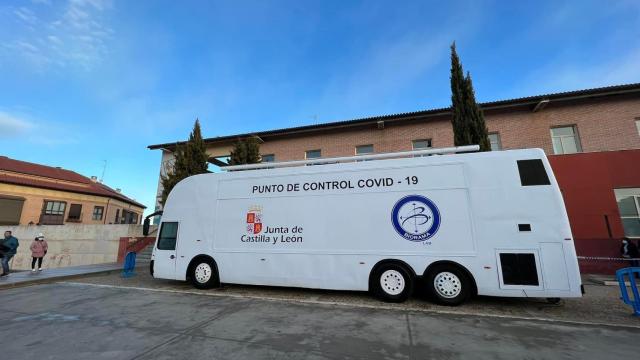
{"x":629,"y":207}
{"x":54,"y":207}
{"x":494,"y":140}
{"x":53,"y":212}
{"x":129,"y":217}
{"x":565,"y":140}
{"x":10,"y":209}
{"x":364,"y":149}
{"x":268,"y":158}
{"x":638,"y":126}
{"x":312,"y":154}
{"x":98,"y":211}
{"x":423,"y":144}
{"x":117,"y":220}
{"x":75,"y":213}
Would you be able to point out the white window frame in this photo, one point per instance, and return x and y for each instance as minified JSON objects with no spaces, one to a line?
{"x":626,"y":192}
{"x":638,"y":125}
{"x":306,"y":154}
{"x":498,"y":141}
{"x":367,"y":153}
{"x":262,"y":158}
{"x":575,"y":136}
{"x":94,"y":213}
{"x":413,"y":144}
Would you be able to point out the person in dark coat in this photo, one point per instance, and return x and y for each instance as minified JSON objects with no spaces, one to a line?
{"x":630,"y":251}
{"x":8,"y":248}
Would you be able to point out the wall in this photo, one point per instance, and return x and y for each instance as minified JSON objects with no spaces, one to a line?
{"x":587,"y":181}
{"x":35,"y":197}
{"x":603,"y":125}
{"x":72,"y":244}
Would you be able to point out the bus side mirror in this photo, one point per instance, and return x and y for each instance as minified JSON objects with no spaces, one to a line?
{"x":147,"y":222}
{"x":145,"y":227}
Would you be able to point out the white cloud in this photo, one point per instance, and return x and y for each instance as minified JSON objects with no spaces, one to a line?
{"x":27,"y":128}
{"x":75,"y":34}
{"x":12,"y":126}
{"x":26,"y":15}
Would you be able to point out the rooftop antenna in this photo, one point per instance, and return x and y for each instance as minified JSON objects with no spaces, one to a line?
{"x":104,"y":168}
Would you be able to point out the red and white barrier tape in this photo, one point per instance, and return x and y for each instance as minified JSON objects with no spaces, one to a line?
{"x":606,"y":258}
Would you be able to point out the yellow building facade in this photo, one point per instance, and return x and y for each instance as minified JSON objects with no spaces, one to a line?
{"x":36,"y":194}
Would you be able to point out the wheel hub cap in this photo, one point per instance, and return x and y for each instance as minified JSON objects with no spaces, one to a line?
{"x":392,"y":282}
{"x":447,"y":285}
{"x":203,"y":273}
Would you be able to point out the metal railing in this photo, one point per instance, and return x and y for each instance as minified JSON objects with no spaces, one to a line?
{"x":631,"y":273}
{"x":343,"y":159}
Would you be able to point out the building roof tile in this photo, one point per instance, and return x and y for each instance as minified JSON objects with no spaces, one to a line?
{"x":55,"y":178}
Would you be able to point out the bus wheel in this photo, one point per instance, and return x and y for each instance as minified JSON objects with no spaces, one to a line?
{"x":392,"y":283}
{"x":203,"y":274}
{"x":448,"y":285}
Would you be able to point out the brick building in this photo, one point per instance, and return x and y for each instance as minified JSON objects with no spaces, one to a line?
{"x":37,"y":194}
{"x":603,"y":121}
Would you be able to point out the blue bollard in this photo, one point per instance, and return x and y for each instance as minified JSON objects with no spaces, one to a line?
{"x":129,"y":265}
{"x":631,"y":273}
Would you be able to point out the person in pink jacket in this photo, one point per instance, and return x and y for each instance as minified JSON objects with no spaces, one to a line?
{"x":39,"y":249}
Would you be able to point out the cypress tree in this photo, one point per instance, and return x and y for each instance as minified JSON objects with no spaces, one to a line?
{"x":479,"y":132}
{"x":468,"y":123}
{"x":245,"y":151}
{"x":190,"y":159}
{"x":196,"y":152}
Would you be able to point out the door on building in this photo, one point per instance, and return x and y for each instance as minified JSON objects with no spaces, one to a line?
{"x":10,"y":209}
{"x":165,"y":252}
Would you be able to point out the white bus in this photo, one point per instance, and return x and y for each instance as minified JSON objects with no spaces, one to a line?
{"x":457,"y":225}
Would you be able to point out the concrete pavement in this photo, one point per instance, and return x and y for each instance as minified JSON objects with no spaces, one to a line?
{"x":80,"y":321}
{"x":22,"y":278}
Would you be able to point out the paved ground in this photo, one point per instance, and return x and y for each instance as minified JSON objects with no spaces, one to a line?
{"x":97,"y":320}
{"x":22,"y":278}
{"x":601,"y":304}
{"x":81,"y":321}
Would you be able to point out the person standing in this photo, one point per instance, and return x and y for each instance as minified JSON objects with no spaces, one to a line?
{"x":9,"y":247}
{"x":630,"y":251}
{"x":39,"y":249}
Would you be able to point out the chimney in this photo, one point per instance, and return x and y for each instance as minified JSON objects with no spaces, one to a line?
{"x":94,"y":178}
{"x":118,"y":190}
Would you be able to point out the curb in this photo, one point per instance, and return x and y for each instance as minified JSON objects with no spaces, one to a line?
{"x":37,"y":281}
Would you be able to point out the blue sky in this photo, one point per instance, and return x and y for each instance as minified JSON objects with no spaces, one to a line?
{"x":83,"y":81}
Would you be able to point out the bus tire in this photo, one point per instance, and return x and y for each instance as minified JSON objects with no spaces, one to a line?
{"x":203,"y":273}
{"x":392,"y":282}
{"x":448,"y":285}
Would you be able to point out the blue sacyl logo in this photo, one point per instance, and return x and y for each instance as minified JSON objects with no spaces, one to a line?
{"x":415,"y":218}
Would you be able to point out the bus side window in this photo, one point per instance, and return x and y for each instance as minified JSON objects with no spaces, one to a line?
{"x":168,"y":236}
{"x":532,"y":173}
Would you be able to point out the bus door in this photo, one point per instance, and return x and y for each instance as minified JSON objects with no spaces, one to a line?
{"x":164,"y":262}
